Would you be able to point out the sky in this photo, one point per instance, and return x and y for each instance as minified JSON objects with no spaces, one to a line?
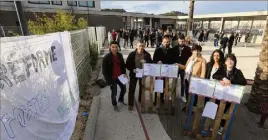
{"x":201,"y":7}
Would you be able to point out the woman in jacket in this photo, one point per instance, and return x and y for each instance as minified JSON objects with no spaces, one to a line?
{"x":195,"y":66}
{"x":134,"y":60}
{"x":228,"y":75}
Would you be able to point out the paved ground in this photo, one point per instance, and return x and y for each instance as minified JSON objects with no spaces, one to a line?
{"x":126,"y":125}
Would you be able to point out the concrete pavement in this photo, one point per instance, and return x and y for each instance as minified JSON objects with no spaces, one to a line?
{"x":126,"y":125}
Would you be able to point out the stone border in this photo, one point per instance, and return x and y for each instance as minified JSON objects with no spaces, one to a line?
{"x":89,"y":133}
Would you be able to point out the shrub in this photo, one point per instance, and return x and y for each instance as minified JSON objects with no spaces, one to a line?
{"x":94,"y":54}
{"x":57,"y":23}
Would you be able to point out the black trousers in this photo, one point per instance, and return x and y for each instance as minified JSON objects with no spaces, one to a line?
{"x":146,"y":42}
{"x":132,"y":89}
{"x":230,"y":46}
{"x":114,"y":91}
{"x":223,"y":49}
{"x":131,"y":43}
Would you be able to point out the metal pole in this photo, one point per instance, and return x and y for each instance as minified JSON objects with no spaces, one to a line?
{"x":4,"y":34}
{"x":21,"y":18}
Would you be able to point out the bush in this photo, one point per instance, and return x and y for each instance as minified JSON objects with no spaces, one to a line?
{"x":94,"y":54}
{"x":57,"y":23}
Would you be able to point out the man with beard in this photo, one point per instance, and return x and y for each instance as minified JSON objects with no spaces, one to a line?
{"x":161,"y":57}
{"x":179,"y":55}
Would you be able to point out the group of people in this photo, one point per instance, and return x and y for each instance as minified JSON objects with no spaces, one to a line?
{"x":151,"y":38}
{"x":188,"y":59}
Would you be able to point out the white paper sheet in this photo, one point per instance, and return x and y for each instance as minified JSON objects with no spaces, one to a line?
{"x":233,"y":93}
{"x":123,"y":79}
{"x":173,"y":71}
{"x":146,"y":69}
{"x":164,"y":70}
{"x":159,"y":86}
{"x":202,"y":87}
{"x":139,"y":73}
{"x":155,"y":70}
{"x":210,"y":110}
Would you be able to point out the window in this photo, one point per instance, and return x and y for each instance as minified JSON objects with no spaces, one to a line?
{"x":72,"y":3}
{"x":39,"y":2}
{"x":56,"y":2}
{"x":87,"y":4}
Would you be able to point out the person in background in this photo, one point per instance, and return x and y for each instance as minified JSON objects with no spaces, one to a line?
{"x":131,"y":37}
{"x":146,"y":39}
{"x":113,"y":66}
{"x":230,"y":43}
{"x":222,"y":35}
{"x":228,"y":75}
{"x":161,"y":57}
{"x":125,"y":37}
{"x":159,"y":37}
{"x":135,"y":60}
{"x":180,"y":55}
{"x":201,"y":36}
{"x":114,"y":35}
{"x":223,"y":43}
{"x":174,"y":38}
{"x":236,"y":38}
{"x":152,"y":38}
{"x":207,"y":35}
{"x":109,"y":38}
{"x":216,"y":39}
{"x":195,"y":66}
{"x":118,"y":41}
{"x":188,"y":41}
{"x":239,"y":37}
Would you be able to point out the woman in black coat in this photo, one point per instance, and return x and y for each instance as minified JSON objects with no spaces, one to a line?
{"x":228,"y":75}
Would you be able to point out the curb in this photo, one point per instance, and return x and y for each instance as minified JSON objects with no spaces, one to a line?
{"x":89,"y":133}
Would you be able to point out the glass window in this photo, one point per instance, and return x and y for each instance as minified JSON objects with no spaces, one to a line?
{"x":56,"y":2}
{"x":39,"y":2}
{"x":87,"y":4}
{"x":72,"y":3}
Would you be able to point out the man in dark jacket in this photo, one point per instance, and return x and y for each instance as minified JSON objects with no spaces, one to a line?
{"x":135,"y":60}
{"x":131,"y":37}
{"x":113,"y":66}
{"x":230,"y":43}
{"x":161,"y":57}
{"x":180,"y":55}
{"x":223,"y":43}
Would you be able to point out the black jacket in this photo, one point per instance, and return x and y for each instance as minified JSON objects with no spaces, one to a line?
{"x":108,"y":66}
{"x":174,"y":55}
{"x":231,"y":39}
{"x":130,"y":63}
{"x":161,"y":55}
{"x":224,"y":42}
{"x":209,"y":69}
{"x":235,"y":76}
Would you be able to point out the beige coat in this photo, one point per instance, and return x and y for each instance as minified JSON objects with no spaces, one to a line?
{"x":199,"y":68}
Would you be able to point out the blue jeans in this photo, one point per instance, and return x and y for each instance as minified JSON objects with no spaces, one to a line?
{"x":216,"y":42}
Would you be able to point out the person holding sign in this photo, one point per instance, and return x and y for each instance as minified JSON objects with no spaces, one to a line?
{"x":228,"y":75}
{"x":195,"y":66}
{"x":180,"y":55}
{"x":161,"y":57}
{"x":134,"y":63}
{"x":113,"y":66}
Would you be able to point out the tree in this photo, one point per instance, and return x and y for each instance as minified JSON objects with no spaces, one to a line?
{"x":259,"y":92}
{"x":174,"y":13}
{"x":113,"y":10}
{"x":190,"y":18}
{"x":57,"y":23}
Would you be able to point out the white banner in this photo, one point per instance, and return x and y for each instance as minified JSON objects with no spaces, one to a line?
{"x":38,"y":87}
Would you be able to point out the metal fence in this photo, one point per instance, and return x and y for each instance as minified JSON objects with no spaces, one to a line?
{"x":10,"y":31}
{"x":81,"y":41}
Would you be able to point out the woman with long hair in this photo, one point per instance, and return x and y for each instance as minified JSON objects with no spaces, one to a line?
{"x":216,"y":61}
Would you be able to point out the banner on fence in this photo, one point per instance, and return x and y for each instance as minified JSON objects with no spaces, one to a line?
{"x":213,"y":89}
{"x":38,"y":87}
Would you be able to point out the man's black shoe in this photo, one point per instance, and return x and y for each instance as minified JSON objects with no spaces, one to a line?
{"x":116,"y":109}
{"x":122,"y":102}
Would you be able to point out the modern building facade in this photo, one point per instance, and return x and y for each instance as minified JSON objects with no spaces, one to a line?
{"x":243,"y":22}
